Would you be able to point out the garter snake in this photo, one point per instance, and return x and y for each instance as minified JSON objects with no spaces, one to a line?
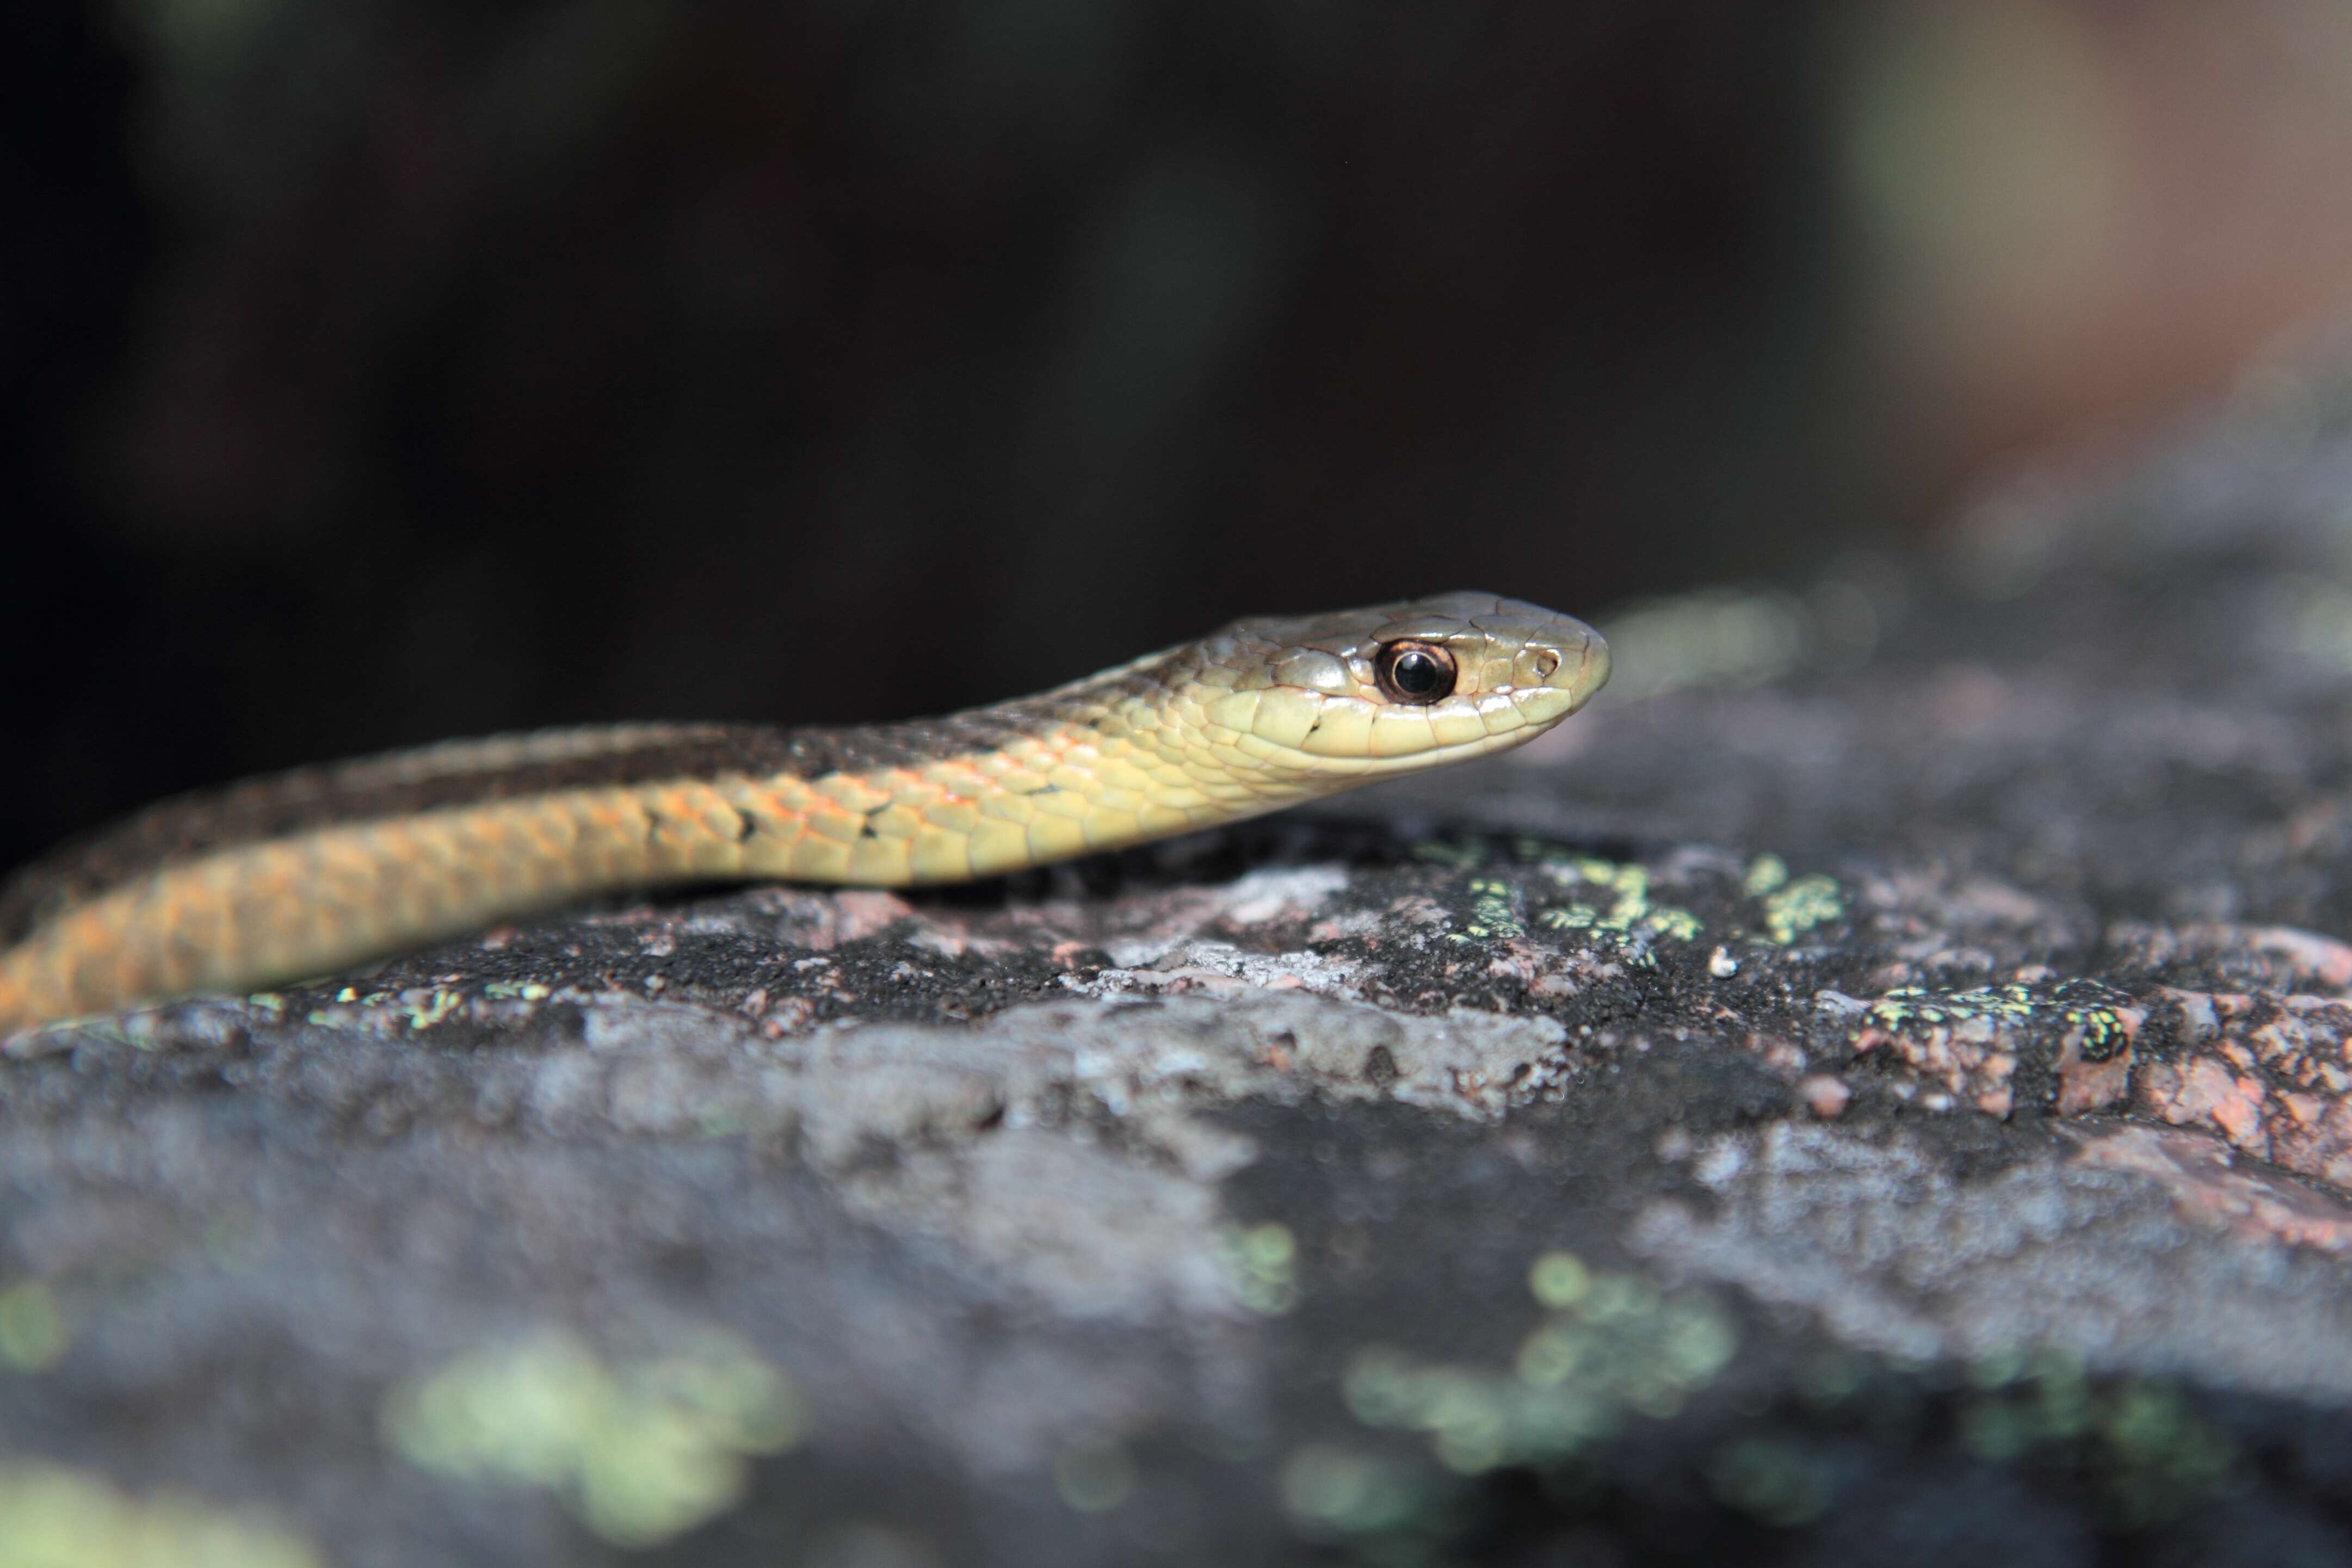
{"x":299,"y":874}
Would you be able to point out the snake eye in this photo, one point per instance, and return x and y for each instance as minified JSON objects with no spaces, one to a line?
{"x":1416,"y":672}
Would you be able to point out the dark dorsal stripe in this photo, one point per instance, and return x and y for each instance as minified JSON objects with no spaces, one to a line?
{"x":471,"y":773}
{"x":508,"y":767}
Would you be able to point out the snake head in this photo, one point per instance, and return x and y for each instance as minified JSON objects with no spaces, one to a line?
{"x":1356,"y":694}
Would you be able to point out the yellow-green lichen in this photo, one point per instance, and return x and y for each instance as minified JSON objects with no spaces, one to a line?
{"x":2095,"y":1010}
{"x":1491,"y":912}
{"x":1630,"y":913}
{"x":1558,"y":1280}
{"x":1793,"y":908}
{"x":55,"y":1517}
{"x":1458,"y":855}
{"x":2156,"y":1455}
{"x":2136,"y":1444}
{"x":1260,"y":1264}
{"x":2133,"y":1440}
{"x":641,"y":1451}
{"x":1914,"y":1003}
{"x":432,"y":1008}
{"x":1623,"y":915}
{"x":350,"y":996}
{"x":1613,"y":1344}
{"x":34,"y":1332}
{"x":420,"y":1009}
{"x":1336,"y":1492}
{"x":2150,"y":1455}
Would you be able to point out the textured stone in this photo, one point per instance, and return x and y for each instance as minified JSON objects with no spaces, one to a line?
{"x":1892,"y":1100}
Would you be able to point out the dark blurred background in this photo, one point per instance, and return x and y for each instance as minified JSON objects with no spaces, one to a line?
{"x":377,"y":372}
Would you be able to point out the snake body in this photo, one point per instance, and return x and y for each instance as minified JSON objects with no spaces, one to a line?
{"x":299,"y":874}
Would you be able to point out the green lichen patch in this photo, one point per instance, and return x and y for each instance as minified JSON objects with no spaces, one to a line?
{"x":1534,"y":884}
{"x":1609,"y":903}
{"x":640,"y":1450}
{"x":1454,"y":854}
{"x":1613,"y":1344}
{"x":52,"y":1516}
{"x":2105,"y":1017}
{"x":1337,"y":1493}
{"x":1261,"y":1266}
{"x":1629,"y":913}
{"x":433,"y":1007}
{"x":429,"y":1007}
{"x":35,"y":1329}
{"x":1766,"y":874}
{"x":2137,"y":1441}
{"x":1791,"y":907}
{"x":1493,"y":911}
{"x":1972,"y":1042}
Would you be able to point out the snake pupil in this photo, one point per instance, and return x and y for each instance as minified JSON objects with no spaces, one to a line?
{"x":1415,"y":673}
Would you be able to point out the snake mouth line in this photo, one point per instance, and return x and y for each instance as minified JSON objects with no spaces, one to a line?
{"x":1361,"y":770}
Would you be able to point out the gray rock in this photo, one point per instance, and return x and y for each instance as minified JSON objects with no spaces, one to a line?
{"x":1878,"y":1087}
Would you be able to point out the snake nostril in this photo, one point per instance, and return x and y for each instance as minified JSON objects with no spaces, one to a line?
{"x":1546,"y":662}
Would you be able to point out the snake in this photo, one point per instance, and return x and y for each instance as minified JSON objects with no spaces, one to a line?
{"x":298,"y":875}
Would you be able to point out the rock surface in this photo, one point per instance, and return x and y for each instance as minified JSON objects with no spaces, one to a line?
{"x":1878,"y":1087}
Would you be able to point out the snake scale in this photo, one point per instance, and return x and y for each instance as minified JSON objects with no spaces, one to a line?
{"x":302,"y":873}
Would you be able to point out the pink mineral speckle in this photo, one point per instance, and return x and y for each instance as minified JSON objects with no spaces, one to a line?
{"x":2206,"y":1092}
{"x":2194,"y":1170}
{"x":1824,"y":1096}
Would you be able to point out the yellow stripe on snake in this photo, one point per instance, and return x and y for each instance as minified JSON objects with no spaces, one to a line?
{"x":302,"y":873}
